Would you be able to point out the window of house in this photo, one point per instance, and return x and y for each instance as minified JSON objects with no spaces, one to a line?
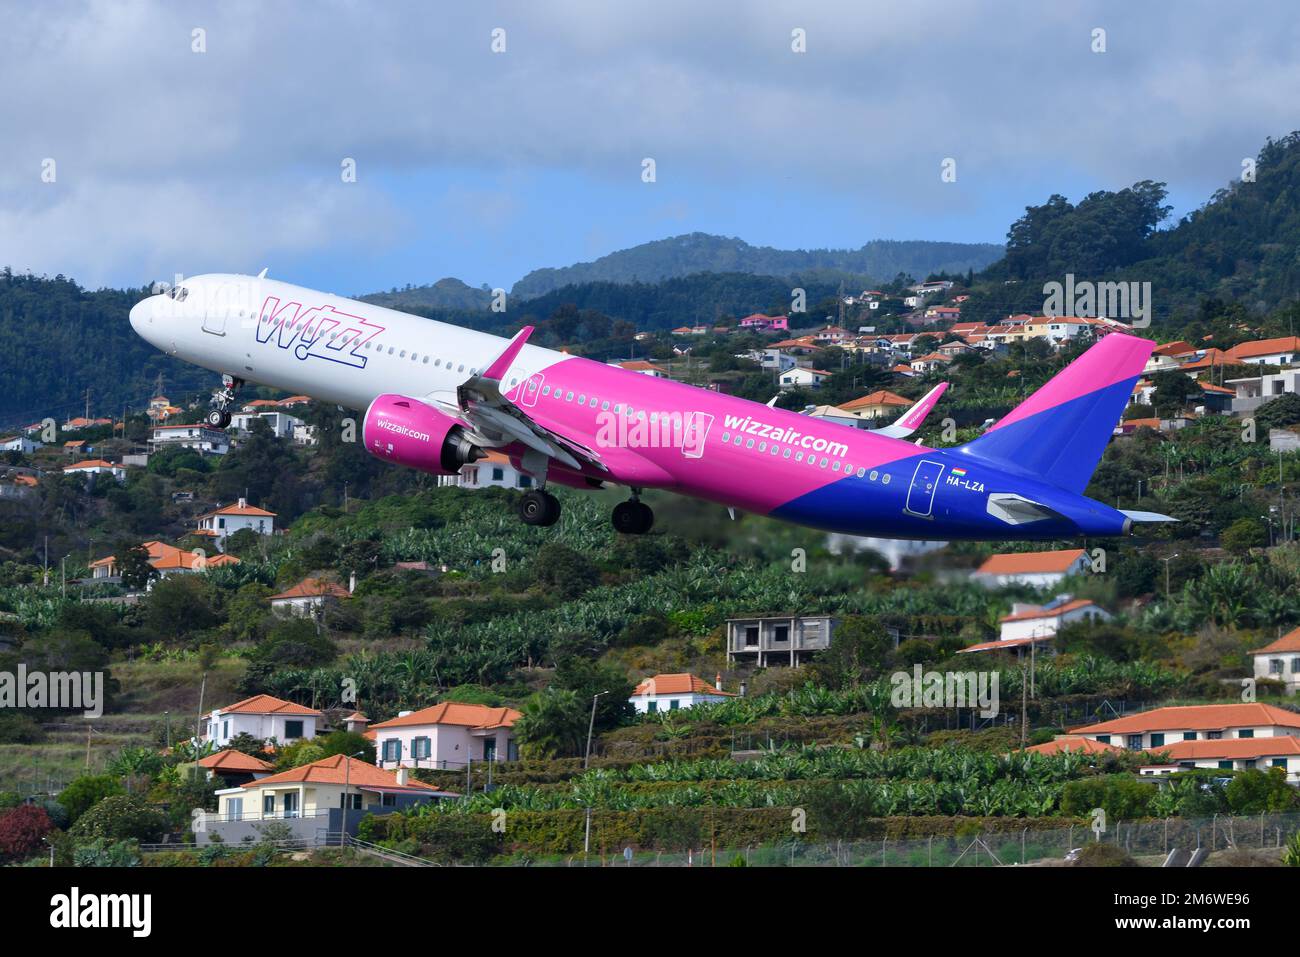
{"x":498,"y":473}
{"x":674,"y":705}
{"x":652,"y":706}
{"x":1213,"y":735}
{"x":781,"y":633}
{"x":389,"y":800}
{"x":421,"y":748}
{"x":350,"y":801}
{"x":225,"y":730}
{"x":1157,"y":740}
{"x":1135,"y":742}
{"x":1246,"y":733}
{"x":392,"y":749}
{"x":1275,"y":666}
{"x":235,"y":809}
{"x":292,"y":730}
{"x":525,"y":481}
{"x":751,"y":636}
{"x":268,"y":805}
{"x":1225,"y":765}
{"x":1103,"y":739}
{"x":1189,"y":735}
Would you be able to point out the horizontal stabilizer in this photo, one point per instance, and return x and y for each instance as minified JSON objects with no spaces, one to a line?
{"x":1146,"y":516}
{"x":1018,"y":510}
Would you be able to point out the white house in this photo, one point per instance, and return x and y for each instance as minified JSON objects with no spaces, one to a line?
{"x":1252,"y":392}
{"x":1044,"y":621}
{"x":308,"y":598}
{"x":264,"y":717}
{"x":447,"y":735}
{"x":642,"y":367}
{"x":803,"y":378}
{"x":1036,"y":569}
{"x":494,"y":470}
{"x":1159,"y":727}
{"x":1229,"y":754}
{"x":166,"y":560}
{"x":1280,"y":661}
{"x":313,"y":798}
{"x":200,"y":438}
{"x":281,"y":424}
{"x":20,"y":443}
{"x":96,"y":467}
{"x":671,"y":692}
{"x":232,"y":518}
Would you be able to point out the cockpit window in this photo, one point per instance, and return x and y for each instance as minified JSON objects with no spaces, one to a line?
{"x":179,"y":293}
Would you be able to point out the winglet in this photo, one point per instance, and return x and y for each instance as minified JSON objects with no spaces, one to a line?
{"x":501,"y":364}
{"x":911,"y":420}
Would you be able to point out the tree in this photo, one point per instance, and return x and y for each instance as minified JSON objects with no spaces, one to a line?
{"x":180,"y":605}
{"x":564,"y":572}
{"x":857,"y":653}
{"x":1255,"y":791}
{"x":586,"y":678}
{"x":554,"y":724}
{"x":1278,"y":413}
{"x":85,"y":792}
{"x":1173,"y":392}
{"x":133,"y":565}
{"x":246,"y":743}
{"x":1243,"y":535}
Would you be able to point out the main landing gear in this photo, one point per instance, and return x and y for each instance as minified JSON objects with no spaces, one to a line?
{"x":539,"y":507}
{"x":223,"y":400}
{"x":633,"y":517}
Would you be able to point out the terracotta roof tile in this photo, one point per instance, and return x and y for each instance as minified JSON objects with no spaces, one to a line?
{"x":457,"y":713}
{"x":1023,"y":563}
{"x":681,"y":683}
{"x":338,"y":769}
{"x":1208,"y":717}
{"x":267,"y":704}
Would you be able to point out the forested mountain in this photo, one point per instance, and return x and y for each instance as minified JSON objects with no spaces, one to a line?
{"x":447,"y":293}
{"x":1239,"y":254}
{"x":700,"y":252}
{"x":57,"y":340}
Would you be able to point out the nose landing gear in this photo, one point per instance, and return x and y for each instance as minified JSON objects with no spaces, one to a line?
{"x":223,"y":400}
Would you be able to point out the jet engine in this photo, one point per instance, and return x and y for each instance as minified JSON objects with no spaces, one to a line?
{"x":406,"y":431}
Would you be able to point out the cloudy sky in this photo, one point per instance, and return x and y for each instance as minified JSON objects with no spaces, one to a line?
{"x":484,"y":165}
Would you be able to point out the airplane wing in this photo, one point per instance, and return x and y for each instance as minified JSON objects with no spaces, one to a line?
{"x":495,"y":421}
{"x":911,"y":420}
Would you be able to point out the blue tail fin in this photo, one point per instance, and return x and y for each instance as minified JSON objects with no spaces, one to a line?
{"x":1059,"y":433}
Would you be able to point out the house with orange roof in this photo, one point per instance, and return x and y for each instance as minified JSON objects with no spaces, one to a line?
{"x":317,"y":801}
{"x":308,"y":598}
{"x":1029,"y":621}
{"x":1228,"y":754}
{"x":642,"y":367}
{"x":1161,"y":727}
{"x":1071,"y":744}
{"x":229,"y":519}
{"x":96,"y":467}
{"x":876,"y":405}
{"x":1280,"y":661}
{"x":1036,"y":569}
{"x":929,"y":363}
{"x":447,"y":735}
{"x":265,"y":717}
{"x":235,"y":768}
{"x":1274,"y":352}
{"x":672,"y":692}
{"x":166,"y":560}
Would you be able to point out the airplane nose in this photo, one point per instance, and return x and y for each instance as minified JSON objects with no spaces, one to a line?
{"x":142,"y":315}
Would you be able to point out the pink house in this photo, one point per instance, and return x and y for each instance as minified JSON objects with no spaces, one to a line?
{"x":759,"y":322}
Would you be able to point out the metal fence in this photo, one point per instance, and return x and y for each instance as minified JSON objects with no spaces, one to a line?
{"x":1150,"y":838}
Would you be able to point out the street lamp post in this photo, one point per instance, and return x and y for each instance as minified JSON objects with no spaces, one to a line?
{"x":591,"y":725}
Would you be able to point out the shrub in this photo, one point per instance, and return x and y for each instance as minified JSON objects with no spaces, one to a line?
{"x":119,"y":818}
{"x":21,"y":830}
{"x":1103,"y":855}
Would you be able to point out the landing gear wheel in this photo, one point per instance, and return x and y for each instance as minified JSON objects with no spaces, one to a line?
{"x":223,"y":400}
{"x":539,"y":507}
{"x":633,"y":518}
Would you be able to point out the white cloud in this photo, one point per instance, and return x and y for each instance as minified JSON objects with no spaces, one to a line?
{"x":246,"y":137}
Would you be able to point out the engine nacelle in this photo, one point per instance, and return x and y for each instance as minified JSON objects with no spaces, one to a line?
{"x":403,"y":430}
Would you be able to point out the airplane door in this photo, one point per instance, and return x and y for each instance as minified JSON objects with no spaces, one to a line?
{"x":694,"y":433}
{"x":925,"y":482}
{"x":529,"y":390}
{"x":214,"y":320}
